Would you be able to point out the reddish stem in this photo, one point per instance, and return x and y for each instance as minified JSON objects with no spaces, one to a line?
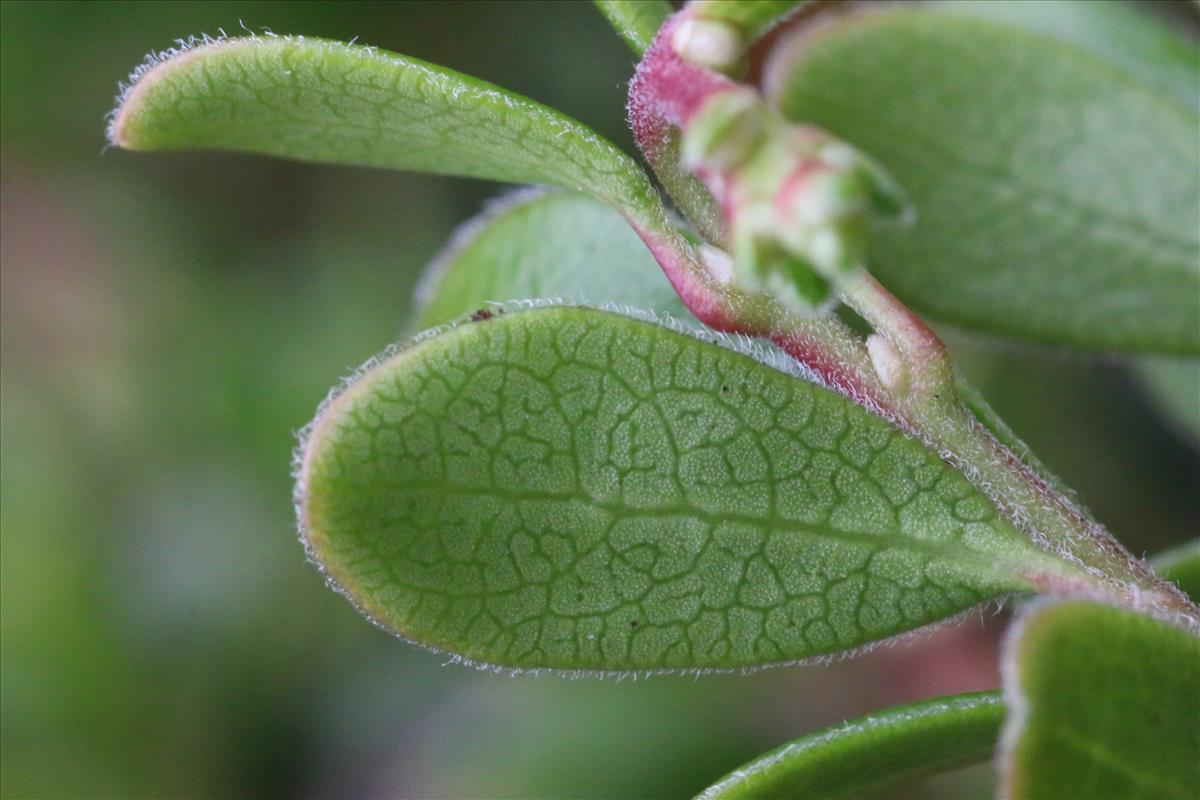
{"x":666,"y":90}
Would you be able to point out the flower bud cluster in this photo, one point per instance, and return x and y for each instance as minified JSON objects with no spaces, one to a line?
{"x":797,"y":200}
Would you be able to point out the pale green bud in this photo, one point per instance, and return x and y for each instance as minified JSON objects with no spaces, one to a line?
{"x":709,"y":43}
{"x":726,"y":132}
{"x":799,"y":202}
{"x":762,"y":266}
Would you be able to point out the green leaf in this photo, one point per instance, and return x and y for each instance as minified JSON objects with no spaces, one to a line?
{"x":338,"y":103}
{"x":1181,"y":566}
{"x":753,"y":17}
{"x":1121,"y":33}
{"x":544,"y":244}
{"x":326,"y":101}
{"x":873,"y":751}
{"x":1174,"y":385}
{"x":1056,"y":192}
{"x":637,"y":21}
{"x":575,"y":489}
{"x":1104,"y":703}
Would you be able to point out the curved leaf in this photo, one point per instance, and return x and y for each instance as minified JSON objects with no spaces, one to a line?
{"x":574,"y":489}
{"x":326,"y":101}
{"x":637,"y":21}
{"x":1103,"y":703}
{"x":339,"y":103}
{"x":548,"y":245}
{"x":1056,"y":194}
{"x":873,"y":751}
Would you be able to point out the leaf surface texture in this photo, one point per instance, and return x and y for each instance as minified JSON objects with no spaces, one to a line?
{"x":575,"y":489}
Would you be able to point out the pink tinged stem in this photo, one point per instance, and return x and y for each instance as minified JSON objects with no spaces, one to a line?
{"x":713,"y":305}
{"x":708,"y":302}
{"x":666,"y":90}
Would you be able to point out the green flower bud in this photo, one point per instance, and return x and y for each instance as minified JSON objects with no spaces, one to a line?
{"x":727,"y":130}
{"x":799,"y":203}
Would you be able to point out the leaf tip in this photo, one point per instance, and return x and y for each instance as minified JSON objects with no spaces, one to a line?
{"x":123,"y":129}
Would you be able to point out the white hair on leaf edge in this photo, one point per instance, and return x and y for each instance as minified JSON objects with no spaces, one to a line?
{"x":744,"y":345}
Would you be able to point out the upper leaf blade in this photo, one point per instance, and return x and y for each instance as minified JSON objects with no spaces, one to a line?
{"x":346,"y":104}
{"x":1056,"y":193}
{"x":574,"y":489}
{"x":326,"y":101}
{"x":1121,"y":33}
{"x":1104,"y":703}
{"x":873,"y":751}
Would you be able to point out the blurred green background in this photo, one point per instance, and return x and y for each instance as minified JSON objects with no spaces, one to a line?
{"x":169,"y":322}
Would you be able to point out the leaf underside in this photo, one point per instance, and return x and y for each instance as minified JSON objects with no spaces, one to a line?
{"x":871,"y":752}
{"x":1057,"y":193}
{"x":1106,"y":703}
{"x":574,"y":489}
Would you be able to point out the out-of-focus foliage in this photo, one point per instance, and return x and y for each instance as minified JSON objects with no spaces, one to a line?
{"x":1059,"y":742}
{"x":168,"y":322}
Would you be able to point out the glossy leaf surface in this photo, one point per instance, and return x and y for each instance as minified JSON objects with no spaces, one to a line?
{"x":1104,"y":703}
{"x":579,"y":490}
{"x":546,"y":245}
{"x":1056,"y":192}
{"x":872,"y":751}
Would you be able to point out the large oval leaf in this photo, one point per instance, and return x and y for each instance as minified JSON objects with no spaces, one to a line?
{"x":1104,"y":703}
{"x":579,"y":490}
{"x":1057,"y":193}
{"x":1122,"y":33}
{"x":876,"y":750}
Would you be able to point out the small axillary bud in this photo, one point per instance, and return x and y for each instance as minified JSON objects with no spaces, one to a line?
{"x":889,"y":363}
{"x":710,"y":43}
{"x":797,"y":201}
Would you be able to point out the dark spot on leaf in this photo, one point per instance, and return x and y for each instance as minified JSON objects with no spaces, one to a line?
{"x":633,"y":623}
{"x":481,"y":315}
